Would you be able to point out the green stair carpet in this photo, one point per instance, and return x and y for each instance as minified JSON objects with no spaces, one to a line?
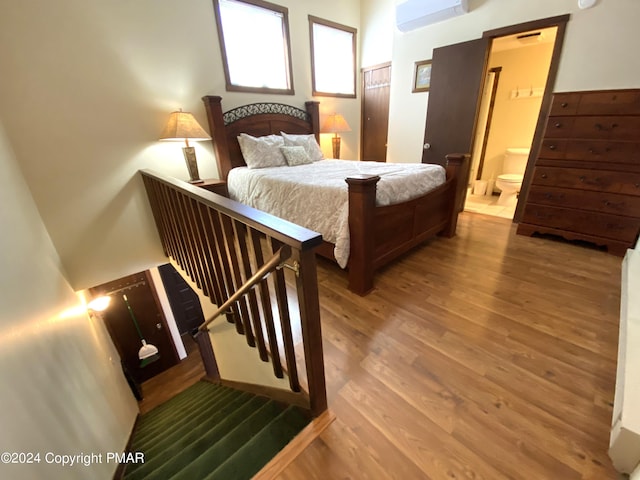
{"x":212,"y":432}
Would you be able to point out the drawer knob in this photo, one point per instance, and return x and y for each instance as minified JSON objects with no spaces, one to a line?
{"x":582,"y":178}
{"x":544,"y":175}
{"x":552,"y":147}
{"x":558,"y":125}
{"x":564,"y":104}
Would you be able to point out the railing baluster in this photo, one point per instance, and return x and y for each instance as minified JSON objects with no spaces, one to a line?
{"x":285,"y":323}
{"x":267,"y":313}
{"x":162,"y":192}
{"x":241,"y":236}
{"x":220,"y":245}
{"x":223,"y":251}
{"x":231,"y":238}
{"x":187,"y":240}
{"x":213,"y":257}
{"x":157,"y":213}
{"x":183,"y":259}
{"x":196,"y":245}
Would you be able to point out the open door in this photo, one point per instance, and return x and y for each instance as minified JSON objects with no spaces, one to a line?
{"x":457,"y":77}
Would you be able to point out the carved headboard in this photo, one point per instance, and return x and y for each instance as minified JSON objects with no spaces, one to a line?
{"x":256,"y":119}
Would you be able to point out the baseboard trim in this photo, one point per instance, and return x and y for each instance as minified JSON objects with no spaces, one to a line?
{"x":120,"y":470}
{"x":289,"y":453}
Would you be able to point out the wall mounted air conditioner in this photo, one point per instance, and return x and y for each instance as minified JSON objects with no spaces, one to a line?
{"x":414,"y":14}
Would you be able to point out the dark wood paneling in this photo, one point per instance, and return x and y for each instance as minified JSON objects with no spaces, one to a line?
{"x":376,"y":86}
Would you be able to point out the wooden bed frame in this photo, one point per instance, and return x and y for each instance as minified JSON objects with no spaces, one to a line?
{"x":378,"y":234}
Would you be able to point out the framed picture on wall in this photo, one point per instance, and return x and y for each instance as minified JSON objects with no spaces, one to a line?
{"x":422,"y":76}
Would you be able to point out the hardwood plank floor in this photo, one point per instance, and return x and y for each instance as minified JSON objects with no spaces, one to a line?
{"x":485,"y":356}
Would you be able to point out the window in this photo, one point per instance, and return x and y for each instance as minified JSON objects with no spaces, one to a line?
{"x":333,"y":58}
{"x":254,"y":38}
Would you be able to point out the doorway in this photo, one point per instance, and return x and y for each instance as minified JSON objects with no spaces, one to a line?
{"x":135,"y":315}
{"x":510,"y":106}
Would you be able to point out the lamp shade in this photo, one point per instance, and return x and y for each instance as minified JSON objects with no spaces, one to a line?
{"x":183,"y":126}
{"x":335,"y":124}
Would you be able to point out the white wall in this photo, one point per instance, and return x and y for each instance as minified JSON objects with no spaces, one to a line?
{"x":86,"y":89}
{"x":598,"y":53}
{"x":63,"y":390}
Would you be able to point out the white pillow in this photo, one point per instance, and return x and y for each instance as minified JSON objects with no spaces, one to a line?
{"x":261,"y":152}
{"x":309,"y":143}
{"x":295,"y":155}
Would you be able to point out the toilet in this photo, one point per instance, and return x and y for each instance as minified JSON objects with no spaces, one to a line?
{"x":509,"y":183}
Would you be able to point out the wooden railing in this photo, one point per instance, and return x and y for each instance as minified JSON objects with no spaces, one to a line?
{"x":222,"y":245}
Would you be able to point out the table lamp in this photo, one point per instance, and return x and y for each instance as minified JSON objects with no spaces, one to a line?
{"x":183,"y":126}
{"x":335,"y":124}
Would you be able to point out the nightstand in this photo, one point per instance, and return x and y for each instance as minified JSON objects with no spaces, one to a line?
{"x":216,"y":186}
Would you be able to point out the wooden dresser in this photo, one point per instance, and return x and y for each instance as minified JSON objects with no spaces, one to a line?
{"x":586,"y":180}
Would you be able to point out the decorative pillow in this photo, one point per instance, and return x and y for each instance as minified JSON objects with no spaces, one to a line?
{"x":309,"y":143}
{"x":295,"y":155}
{"x":262,"y":152}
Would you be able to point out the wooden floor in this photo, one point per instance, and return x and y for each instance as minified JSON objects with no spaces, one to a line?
{"x":486,"y":356}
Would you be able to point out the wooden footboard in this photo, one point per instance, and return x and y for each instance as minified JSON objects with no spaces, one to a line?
{"x":381,"y":234}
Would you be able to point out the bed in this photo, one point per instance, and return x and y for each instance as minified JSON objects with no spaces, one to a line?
{"x":377,"y":234}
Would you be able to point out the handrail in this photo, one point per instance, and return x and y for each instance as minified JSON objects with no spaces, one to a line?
{"x":221,"y":245}
{"x":272,"y":264}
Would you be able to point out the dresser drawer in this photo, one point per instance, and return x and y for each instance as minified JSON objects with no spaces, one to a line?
{"x":581,"y":221}
{"x":596,"y":150}
{"x":553,"y":148}
{"x":565,"y":103}
{"x":610,"y":103}
{"x":592,"y":150}
{"x":559,"y":127}
{"x":583,"y":179}
{"x":611,"y":203}
{"x":609,"y":128}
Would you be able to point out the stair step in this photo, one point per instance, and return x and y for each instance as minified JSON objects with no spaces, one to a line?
{"x":211,"y":431}
{"x":233,"y":441}
{"x":176,"y":425}
{"x":188,"y":395}
{"x":176,"y":455}
{"x":250,"y":458}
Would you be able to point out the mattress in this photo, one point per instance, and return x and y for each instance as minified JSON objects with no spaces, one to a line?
{"x":315,"y":195}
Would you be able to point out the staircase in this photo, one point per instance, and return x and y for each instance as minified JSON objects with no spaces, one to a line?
{"x":212,"y":432}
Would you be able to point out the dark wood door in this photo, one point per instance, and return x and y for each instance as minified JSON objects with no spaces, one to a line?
{"x":184,"y":302}
{"x":148,"y":314}
{"x":457,"y":77}
{"x":376,"y":82}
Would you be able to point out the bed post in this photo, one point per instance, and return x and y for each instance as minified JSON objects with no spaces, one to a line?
{"x":362,"y":202}
{"x":213,"y":106}
{"x":457,"y":165}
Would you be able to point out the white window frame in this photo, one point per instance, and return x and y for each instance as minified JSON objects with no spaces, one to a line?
{"x":249,"y":52}
{"x":333,"y":69}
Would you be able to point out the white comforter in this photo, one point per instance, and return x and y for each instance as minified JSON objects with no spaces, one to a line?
{"x":315,"y":196}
